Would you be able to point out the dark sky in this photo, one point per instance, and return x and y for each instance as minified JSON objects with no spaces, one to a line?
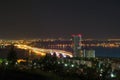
{"x":59,"y":18}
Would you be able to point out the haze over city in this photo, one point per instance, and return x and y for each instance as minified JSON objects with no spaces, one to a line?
{"x":53,"y":19}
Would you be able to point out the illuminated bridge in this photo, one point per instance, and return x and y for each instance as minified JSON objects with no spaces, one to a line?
{"x":42,"y":52}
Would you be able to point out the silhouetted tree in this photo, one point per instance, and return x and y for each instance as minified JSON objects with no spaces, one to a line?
{"x":12,"y":56}
{"x":49,"y":61}
{"x":60,"y":55}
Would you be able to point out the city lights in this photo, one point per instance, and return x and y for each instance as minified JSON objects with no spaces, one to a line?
{"x":43,"y":51}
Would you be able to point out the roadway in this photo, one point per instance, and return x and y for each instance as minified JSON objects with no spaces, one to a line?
{"x":43,"y":52}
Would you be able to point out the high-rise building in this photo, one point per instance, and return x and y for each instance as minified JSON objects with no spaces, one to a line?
{"x":76,"y":45}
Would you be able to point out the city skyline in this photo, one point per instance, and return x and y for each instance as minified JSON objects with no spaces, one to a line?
{"x":54,"y":19}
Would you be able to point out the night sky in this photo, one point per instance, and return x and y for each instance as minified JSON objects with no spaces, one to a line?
{"x":22,"y":19}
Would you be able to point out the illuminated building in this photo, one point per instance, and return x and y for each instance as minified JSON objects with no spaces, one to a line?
{"x":76,"y":45}
{"x":89,"y":53}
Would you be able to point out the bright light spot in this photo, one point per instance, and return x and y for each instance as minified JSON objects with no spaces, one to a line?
{"x":58,"y":62}
{"x":6,"y":63}
{"x":51,"y":53}
{"x":79,"y":35}
{"x":101,"y":70}
{"x":112,"y":75}
{"x":34,"y":64}
{"x":57,"y":54}
{"x":64,"y":55}
{"x":21,"y":60}
{"x":66,"y":65}
{"x":100,"y":74}
{"x":72,"y":65}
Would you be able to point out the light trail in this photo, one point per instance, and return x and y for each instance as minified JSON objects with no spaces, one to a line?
{"x":43,"y":52}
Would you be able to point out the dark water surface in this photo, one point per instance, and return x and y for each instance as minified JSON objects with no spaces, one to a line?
{"x":106,"y":52}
